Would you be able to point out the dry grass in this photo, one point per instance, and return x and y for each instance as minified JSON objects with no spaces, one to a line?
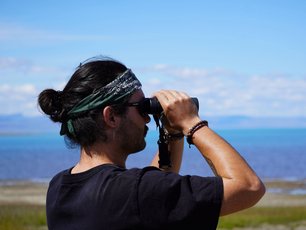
{"x":22,"y":207}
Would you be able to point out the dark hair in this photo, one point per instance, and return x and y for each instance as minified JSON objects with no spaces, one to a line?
{"x":89,"y":76}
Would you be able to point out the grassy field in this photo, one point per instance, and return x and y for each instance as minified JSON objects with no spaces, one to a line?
{"x":26,"y":217}
{"x":261,"y":217}
{"x":22,"y":207}
{"x":22,"y":217}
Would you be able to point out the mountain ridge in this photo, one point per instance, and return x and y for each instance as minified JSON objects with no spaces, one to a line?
{"x":17,"y":123}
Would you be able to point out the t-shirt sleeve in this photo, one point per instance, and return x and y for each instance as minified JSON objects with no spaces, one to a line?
{"x":168,"y":199}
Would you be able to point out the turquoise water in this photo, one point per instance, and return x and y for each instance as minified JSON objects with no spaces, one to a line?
{"x":273,"y":153}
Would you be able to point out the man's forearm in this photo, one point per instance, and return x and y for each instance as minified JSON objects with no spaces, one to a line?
{"x":175,"y":148}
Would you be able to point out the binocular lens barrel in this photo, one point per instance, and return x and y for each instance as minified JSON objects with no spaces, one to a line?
{"x":152,"y":105}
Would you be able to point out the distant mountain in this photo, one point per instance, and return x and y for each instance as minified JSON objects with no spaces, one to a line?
{"x":18,"y":123}
{"x":232,"y":122}
{"x":41,"y":124}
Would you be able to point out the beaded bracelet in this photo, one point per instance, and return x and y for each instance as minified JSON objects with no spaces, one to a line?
{"x":193,"y":129}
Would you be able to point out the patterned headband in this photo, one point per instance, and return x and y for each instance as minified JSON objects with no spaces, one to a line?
{"x":113,"y":92}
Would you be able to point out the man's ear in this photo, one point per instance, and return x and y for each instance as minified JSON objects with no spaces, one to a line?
{"x":110,"y":118}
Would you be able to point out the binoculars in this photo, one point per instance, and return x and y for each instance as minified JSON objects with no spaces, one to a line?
{"x":152,"y":105}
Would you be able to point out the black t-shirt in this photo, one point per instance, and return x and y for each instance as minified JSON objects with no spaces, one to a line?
{"x":110,"y":197}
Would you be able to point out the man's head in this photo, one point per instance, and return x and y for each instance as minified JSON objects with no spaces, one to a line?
{"x":96,"y":84}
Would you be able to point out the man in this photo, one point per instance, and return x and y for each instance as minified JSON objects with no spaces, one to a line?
{"x":101,"y":110}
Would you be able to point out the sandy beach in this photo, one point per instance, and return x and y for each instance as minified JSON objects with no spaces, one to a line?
{"x":23,"y":192}
{"x":279,"y":194}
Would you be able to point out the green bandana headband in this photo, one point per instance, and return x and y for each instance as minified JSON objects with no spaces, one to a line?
{"x":113,"y":92}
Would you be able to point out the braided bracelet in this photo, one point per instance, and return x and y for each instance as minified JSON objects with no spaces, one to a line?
{"x":193,"y":129}
{"x":173,"y":136}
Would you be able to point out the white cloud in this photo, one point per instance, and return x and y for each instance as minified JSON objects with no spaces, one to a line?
{"x":187,"y":72}
{"x":223,"y":92}
{"x":25,"y":66}
{"x":9,"y":90}
{"x":20,"y":99}
{"x":10,"y":63}
{"x":12,"y":32}
{"x":220,"y":92}
{"x":21,"y":80}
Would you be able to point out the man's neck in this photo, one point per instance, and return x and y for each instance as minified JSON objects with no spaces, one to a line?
{"x":99,"y":154}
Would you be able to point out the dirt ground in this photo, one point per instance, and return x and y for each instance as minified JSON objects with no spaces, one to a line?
{"x":279,"y":193}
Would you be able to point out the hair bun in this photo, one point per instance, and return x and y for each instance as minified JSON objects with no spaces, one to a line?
{"x":50,"y":102}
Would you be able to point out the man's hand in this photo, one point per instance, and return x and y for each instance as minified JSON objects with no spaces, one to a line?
{"x":179,"y":110}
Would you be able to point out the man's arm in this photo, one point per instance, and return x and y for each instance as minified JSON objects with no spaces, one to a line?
{"x":175,"y":148}
{"x":242,"y":187}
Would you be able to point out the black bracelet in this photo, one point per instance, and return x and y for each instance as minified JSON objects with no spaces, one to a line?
{"x":192,"y":130}
{"x":173,"y":137}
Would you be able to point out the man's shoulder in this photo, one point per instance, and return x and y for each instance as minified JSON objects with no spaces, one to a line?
{"x":58,"y":177}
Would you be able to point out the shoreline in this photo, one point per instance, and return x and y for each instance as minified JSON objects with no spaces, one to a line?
{"x":286,"y":186}
{"x":23,"y":192}
{"x":278,"y":192}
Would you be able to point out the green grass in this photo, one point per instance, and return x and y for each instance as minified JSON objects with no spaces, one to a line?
{"x":33,"y":217}
{"x":257,"y":216}
{"x":22,"y":217}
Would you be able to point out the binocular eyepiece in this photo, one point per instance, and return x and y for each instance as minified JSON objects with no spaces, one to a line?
{"x":152,"y":105}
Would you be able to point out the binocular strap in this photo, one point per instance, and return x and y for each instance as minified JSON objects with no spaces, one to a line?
{"x":164,"y":154}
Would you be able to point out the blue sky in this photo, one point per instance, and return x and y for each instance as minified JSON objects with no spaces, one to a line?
{"x":238,"y":57}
